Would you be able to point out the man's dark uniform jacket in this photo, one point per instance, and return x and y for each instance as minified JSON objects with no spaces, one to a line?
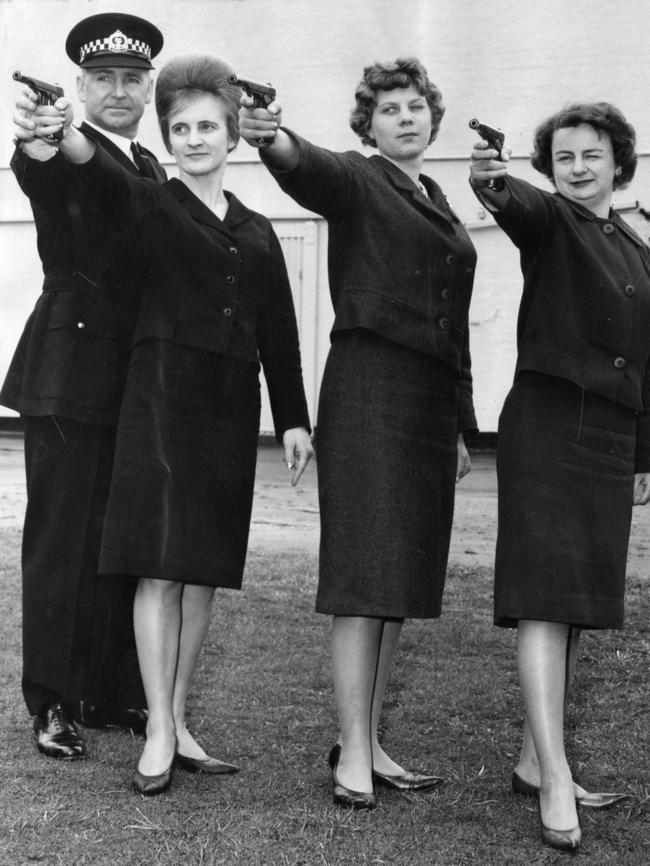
{"x":66,"y":380}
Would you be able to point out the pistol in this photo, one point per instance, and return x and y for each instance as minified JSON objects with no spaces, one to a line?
{"x":496,"y":139}
{"x":261,"y":94}
{"x":46,"y":94}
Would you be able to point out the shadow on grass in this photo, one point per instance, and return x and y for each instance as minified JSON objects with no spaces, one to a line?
{"x":263,"y":699}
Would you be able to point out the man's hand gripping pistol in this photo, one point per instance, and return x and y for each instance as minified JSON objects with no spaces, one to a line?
{"x":46,"y":94}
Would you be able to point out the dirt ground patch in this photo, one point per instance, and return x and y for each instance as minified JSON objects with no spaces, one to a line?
{"x":286,"y":518}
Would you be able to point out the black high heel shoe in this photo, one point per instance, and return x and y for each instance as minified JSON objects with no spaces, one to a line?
{"x":149,"y":786}
{"x":343,"y":796}
{"x":407,"y":781}
{"x":589,"y":800}
{"x":209,"y":765}
{"x":563,"y":840}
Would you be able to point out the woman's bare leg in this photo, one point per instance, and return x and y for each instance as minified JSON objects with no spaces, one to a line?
{"x":157,"y":622}
{"x":196,"y":614}
{"x":528,"y":765}
{"x":389,"y":639}
{"x":356,"y":642}
{"x":542,"y":649}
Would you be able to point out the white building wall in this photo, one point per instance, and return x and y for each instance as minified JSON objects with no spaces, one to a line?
{"x":508,"y":62}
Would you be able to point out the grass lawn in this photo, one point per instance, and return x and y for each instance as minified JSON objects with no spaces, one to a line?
{"x":263,"y":699}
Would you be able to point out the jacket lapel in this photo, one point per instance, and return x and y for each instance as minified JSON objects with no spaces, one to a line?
{"x":235,"y":215}
{"x":433,"y":205}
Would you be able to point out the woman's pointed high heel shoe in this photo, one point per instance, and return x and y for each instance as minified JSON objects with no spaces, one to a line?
{"x":407,"y":781}
{"x":589,"y":800}
{"x":208,"y":765}
{"x":148,"y":786}
{"x":343,"y":796}
{"x":521,"y":786}
{"x":563,"y":840}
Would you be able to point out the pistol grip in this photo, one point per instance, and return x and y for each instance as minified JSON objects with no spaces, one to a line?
{"x":45,"y":98}
{"x":261,"y":101}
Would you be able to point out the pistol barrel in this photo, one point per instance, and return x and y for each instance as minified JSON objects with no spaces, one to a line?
{"x":263,"y":94}
{"x":47,"y":93}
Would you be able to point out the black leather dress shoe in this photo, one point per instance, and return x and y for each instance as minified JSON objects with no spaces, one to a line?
{"x":208,"y":765}
{"x":56,"y":735}
{"x":149,"y":786}
{"x":407,"y":781}
{"x":343,"y":796}
{"x":589,"y":800}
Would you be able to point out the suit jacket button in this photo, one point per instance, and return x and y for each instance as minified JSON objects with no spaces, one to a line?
{"x":230,"y":279}
{"x":227,"y":311}
{"x":450,"y":259}
{"x":446,"y":294}
{"x":608,"y":228}
{"x":81,"y":324}
{"x":444,"y":324}
{"x":620,"y":363}
{"x":630,"y":291}
{"x":233,"y":250}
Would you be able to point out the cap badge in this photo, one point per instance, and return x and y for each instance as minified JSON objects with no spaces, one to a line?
{"x":117,"y":43}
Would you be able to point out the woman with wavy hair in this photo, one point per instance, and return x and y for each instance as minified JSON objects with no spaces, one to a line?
{"x":574,"y":434}
{"x":396,"y":396}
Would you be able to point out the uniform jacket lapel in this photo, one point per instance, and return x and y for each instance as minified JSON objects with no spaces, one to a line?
{"x":109,"y":147}
{"x":119,"y":155}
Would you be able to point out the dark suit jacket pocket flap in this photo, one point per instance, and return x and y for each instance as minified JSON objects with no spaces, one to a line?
{"x":84,"y":312}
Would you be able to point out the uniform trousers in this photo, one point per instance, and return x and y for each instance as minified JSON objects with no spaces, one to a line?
{"x":78,"y":642}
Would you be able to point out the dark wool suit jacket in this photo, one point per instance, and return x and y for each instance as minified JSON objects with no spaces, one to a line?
{"x":71,"y":358}
{"x":585,"y":309}
{"x":400,"y":263}
{"x":211,"y":284}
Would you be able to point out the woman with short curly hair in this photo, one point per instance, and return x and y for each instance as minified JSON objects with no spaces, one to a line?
{"x":601,"y":116}
{"x":574,"y":434}
{"x":388,"y":76}
{"x":396,"y":396}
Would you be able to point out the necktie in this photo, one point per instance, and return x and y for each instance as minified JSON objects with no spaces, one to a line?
{"x":142,"y":161}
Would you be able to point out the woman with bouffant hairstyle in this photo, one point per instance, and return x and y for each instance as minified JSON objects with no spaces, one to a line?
{"x":574,"y":434}
{"x":396,"y":396}
{"x":182,"y":79}
{"x":216,"y":306}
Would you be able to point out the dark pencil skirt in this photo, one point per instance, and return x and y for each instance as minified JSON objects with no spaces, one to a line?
{"x":182,"y":488}
{"x":386,"y":450}
{"x":565,"y":467}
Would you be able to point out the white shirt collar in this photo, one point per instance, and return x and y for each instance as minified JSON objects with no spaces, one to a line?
{"x":120,"y":141}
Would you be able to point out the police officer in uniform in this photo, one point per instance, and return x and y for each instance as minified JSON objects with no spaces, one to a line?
{"x":66,"y":380}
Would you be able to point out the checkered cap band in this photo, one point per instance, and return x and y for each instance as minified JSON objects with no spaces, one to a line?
{"x":117,"y":43}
